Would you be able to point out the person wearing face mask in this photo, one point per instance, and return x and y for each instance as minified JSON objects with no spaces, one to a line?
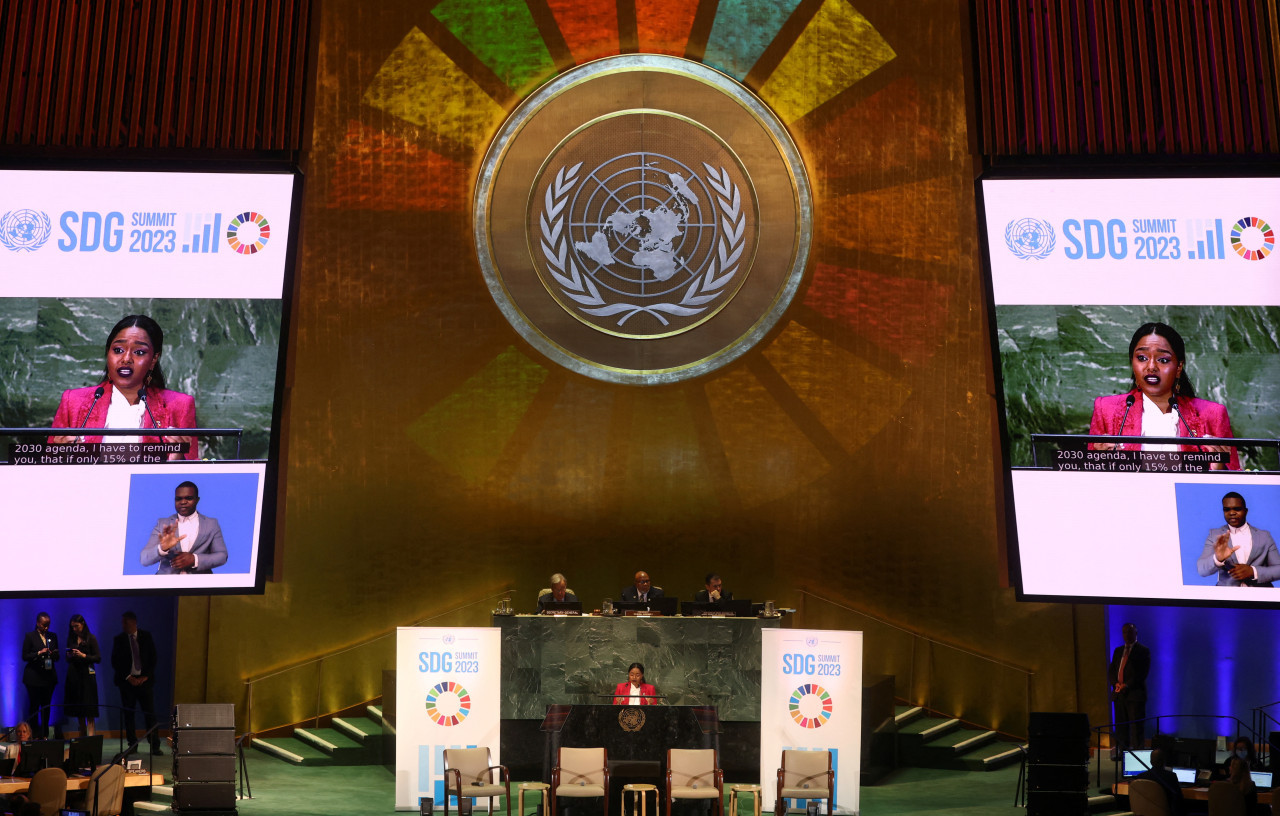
{"x":1242,"y":750}
{"x":1157,"y":357}
{"x":1240,"y":554}
{"x":131,"y":393}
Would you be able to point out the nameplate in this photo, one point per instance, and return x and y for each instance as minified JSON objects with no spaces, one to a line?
{"x":1131,"y":461}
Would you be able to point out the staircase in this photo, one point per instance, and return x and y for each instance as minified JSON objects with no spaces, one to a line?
{"x":347,"y":741}
{"x":926,"y":741}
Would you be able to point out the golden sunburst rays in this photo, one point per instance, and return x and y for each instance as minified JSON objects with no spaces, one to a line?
{"x":874,"y":311}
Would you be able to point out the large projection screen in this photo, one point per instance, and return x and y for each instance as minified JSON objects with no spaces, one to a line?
{"x":207,"y":257}
{"x":1076,"y":267}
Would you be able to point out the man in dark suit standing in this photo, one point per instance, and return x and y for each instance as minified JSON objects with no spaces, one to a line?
{"x":1127,"y":676}
{"x":642,"y":590}
{"x":133,"y":664}
{"x":39,"y":653}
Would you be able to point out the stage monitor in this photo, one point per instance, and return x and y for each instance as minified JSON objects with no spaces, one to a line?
{"x":1136,"y":762}
{"x":1134,"y":325}
{"x":40,"y":754}
{"x":83,"y":755}
{"x":146,"y":316}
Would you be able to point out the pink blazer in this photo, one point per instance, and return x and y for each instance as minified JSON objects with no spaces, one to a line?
{"x":1203,"y":417}
{"x":624,"y":694}
{"x":171,"y":408}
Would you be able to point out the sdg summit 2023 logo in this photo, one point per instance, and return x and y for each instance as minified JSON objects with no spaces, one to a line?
{"x":1142,"y":239}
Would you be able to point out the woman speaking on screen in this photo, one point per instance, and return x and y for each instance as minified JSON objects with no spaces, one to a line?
{"x":1162,"y":401}
{"x":131,"y":393}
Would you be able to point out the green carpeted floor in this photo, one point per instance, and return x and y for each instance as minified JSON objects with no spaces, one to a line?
{"x":283,"y":789}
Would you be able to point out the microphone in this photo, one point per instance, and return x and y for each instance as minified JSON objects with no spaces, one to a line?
{"x":1128,"y":403}
{"x":97,"y":395}
{"x":1173,"y":405}
{"x":142,"y":395}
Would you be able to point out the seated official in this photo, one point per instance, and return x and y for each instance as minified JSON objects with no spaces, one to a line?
{"x":13,"y":750}
{"x":558,"y":593}
{"x":635,"y":691}
{"x":714,"y":592}
{"x":642,"y":590}
{"x":1243,"y":750}
{"x":1167,"y":779}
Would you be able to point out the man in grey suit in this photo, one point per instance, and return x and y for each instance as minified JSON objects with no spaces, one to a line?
{"x":185,"y":542}
{"x":1241,"y":554}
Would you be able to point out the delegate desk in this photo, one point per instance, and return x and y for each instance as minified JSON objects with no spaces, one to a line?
{"x":1192,"y":794}
{"x":19,"y":784}
{"x":695,"y":661}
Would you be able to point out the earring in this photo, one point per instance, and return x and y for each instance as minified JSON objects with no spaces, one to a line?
{"x":147,"y":381}
{"x":1177,"y":387}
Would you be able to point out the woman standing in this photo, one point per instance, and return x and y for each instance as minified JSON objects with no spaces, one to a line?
{"x":82,"y":678}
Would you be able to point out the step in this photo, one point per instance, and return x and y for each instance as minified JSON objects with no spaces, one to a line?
{"x":905,"y":714}
{"x":293,"y":751}
{"x":162,"y":791}
{"x":364,"y":730}
{"x":992,"y":756}
{"x":375,"y":713}
{"x":152,"y":807}
{"x":342,"y":749}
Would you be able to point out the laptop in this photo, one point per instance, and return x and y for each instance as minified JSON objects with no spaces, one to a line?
{"x":1186,"y":776}
{"x":1136,"y":762}
{"x":1262,"y":779}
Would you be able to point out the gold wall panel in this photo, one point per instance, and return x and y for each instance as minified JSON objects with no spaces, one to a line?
{"x":434,"y":458}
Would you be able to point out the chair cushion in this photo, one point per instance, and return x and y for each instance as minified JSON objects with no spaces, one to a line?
{"x":481,"y":790}
{"x":686,"y":792}
{"x":580,"y":790}
{"x":804,"y":793}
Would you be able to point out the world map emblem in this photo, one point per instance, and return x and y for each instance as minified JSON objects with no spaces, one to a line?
{"x":1030,"y":238}
{"x":24,"y":230}
{"x":642,"y":219}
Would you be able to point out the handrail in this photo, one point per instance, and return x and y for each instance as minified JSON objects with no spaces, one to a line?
{"x":1028,"y":675}
{"x":320,"y":659}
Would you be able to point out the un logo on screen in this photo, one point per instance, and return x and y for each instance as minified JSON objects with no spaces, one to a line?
{"x":1030,"y":238}
{"x":24,"y":230}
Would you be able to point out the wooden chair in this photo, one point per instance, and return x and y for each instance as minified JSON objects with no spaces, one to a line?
{"x":48,"y":789}
{"x":109,"y":799}
{"x":468,"y":774}
{"x":805,"y":775}
{"x":580,"y":773}
{"x":1148,"y":797}
{"x":694,"y":774}
{"x":1225,"y":799}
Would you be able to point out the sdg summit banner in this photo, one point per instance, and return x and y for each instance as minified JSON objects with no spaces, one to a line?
{"x":447,"y":686}
{"x":811,"y":700}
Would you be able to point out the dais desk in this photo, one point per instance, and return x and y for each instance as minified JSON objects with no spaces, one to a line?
{"x":1196,"y":794}
{"x":574,"y":660}
{"x":19,"y":784}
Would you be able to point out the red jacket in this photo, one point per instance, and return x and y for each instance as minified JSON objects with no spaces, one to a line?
{"x":172,"y":409}
{"x":623,"y":692}
{"x":1203,"y":417}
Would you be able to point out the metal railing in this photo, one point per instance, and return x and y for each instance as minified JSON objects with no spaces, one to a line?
{"x":927,"y":690}
{"x":377,"y":650}
{"x":1242,"y":729}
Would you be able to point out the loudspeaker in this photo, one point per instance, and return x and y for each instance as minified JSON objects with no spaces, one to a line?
{"x":204,"y":796}
{"x":1057,"y":803}
{"x":204,"y":769}
{"x":1057,"y":777}
{"x":1049,"y":751}
{"x":204,"y":715}
{"x":1060,"y":724}
{"x":204,"y":741}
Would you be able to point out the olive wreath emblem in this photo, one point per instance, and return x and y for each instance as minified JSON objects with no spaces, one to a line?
{"x":580,"y":288}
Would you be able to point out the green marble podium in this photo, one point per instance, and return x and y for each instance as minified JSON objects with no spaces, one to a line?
{"x":579,"y":660}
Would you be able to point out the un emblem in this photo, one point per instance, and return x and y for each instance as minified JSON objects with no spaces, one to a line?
{"x":24,"y":230}
{"x":1030,"y":238}
{"x":642,"y":219}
